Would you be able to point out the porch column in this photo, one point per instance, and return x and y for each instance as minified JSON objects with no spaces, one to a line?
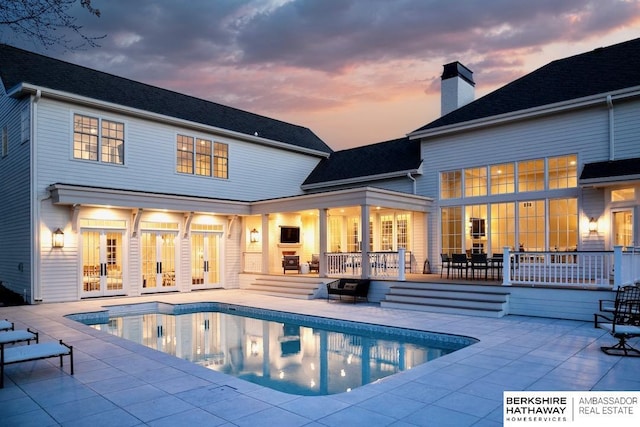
{"x":322,"y":229}
{"x":617,"y":267}
{"x":364,"y":243}
{"x":506,"y":266}
{"x":265,"y":244}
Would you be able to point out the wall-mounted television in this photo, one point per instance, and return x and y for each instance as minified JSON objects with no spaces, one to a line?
{"x":289,"y":234}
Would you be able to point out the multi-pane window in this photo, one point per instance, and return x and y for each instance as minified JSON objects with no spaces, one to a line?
{"x":386,"y":232}
{"x":353,"y":234}
{"x":451,"y":226}
{"x":502,"y":179}
{"x":475,"y":182}
{"x":335,"y":233}
{"x":184,"y":154}
{"x":563,"y":224}
{"x":450,"y":185}
{"x":502,"y":228}
{"x":402,"y":230}
{"x":96,"y":139}
{"x":563,"y":172}
{"x":201,"y":157}
{"x":531,"y":175}
{"x":531,"y":227}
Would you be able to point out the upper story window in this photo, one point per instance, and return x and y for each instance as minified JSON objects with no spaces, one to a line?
{"x":201,"y":157}
{"x":98,"y":139}
{"x":503,"y":179}
{"x":531,"y":175}
{"x":450,"y":185}
{"x":563,"y":172}
{"x":475,"y":182}
{"x":623,"y":194}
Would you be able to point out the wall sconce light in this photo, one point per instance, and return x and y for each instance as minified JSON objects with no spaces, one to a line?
{"x":593,"y":225}
{"x":57,"y":239}
{"x":254,"y":236}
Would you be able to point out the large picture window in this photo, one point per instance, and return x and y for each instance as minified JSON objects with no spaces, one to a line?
{"x":475,"y":182}
{"x":563,"y":172}
{"x":451,"y":185}
{"x":502,"y":179}
{"x":98,"y":139}
{"x":201,"y":157}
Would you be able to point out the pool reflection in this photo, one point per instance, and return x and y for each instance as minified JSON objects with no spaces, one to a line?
{"x":282,"y":356}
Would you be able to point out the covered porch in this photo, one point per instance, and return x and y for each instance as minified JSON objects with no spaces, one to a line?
{"x":365,"y":233}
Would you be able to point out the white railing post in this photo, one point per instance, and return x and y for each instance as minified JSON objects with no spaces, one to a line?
{"x":617,"y":267}
{"x":506,"y":266}
{"x":401,"y":262}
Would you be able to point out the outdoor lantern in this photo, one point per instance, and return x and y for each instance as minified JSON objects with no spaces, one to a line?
{"x":593,"y":225}
{"x":57,"y":239}
{"x":254,"y":235}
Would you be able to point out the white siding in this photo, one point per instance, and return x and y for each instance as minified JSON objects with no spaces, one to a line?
{"x":255,"y":171}
{"x":626,"y":130}
{"x":15,"y":232}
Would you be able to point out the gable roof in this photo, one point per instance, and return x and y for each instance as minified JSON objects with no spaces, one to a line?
{"x":18,"y":66}
{"x":612,"y":170}
{"x":383,"y":160}
{"x":600,"y":71}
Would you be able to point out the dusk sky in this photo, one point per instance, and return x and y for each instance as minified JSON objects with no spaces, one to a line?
{"x":354,"y":71}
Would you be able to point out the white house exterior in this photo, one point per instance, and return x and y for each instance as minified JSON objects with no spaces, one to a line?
{"x":154,"y":191}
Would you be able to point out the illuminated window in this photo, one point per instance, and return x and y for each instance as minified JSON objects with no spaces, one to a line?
{"x":451,"y":185}
{"x":92,"y":135}
{"x":563,"y":224}
{"x":623,"y":195}
{"x":475,"y":182}
{"x":502,"y":179}
{"x":353,"y":234}
{"x":531,"y":225}
{"x":563,"y":172}
{"x":402,"y":231}
{"x":531,"y":175}
{"x":503,"y":223}
{"x":386,"y":232}
{"x":451,"y":226}
{"x":202,"y":157}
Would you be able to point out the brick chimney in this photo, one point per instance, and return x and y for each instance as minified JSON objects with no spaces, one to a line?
{"x":457,"y":87}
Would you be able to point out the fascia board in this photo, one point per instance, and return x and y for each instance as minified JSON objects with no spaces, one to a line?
{"x":361,"y":179}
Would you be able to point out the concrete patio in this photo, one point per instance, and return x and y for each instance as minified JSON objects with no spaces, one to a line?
{"x":120,"y":383}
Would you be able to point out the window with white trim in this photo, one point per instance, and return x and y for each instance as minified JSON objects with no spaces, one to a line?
{"x":203,"y":157}
{"x":98,"y":139}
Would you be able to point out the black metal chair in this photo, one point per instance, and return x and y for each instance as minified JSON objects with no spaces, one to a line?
{"x":460,"y":262}
{"x":446,"y":263}
{"x":625,"y":324}
{"x":495,"y":264}
{"x":479,"y":262}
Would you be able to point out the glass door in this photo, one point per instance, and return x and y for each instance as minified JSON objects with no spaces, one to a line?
{"x":158,"y":261}
{"x":205,"y":260}
{"x":102,"y":263}
{"x":622,"y":228}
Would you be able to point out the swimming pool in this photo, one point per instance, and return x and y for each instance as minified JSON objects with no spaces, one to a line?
{"x":297,"y":354}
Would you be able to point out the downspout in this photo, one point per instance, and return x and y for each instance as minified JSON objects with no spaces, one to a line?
{"x":612,"y":150}
{"x":414,"y":181}
{"x":35,"y":205}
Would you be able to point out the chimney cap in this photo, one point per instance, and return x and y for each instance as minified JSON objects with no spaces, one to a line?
{"x":456,"y":69}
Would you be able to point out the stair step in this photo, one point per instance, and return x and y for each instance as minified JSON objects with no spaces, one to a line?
{"x":449,"y":309}
{"x":453,"y":294}
{"x":467,"y":302}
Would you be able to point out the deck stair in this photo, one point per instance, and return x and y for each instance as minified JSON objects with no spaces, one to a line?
{"x":292,"y":286}
{"x":474,"y":300}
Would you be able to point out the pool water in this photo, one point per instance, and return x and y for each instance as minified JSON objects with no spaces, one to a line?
{"x":296,"y":354}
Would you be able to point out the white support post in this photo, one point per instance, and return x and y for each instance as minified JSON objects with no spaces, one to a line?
{"x":617,"y":267}
{"x":506,"y":266}
{"x":401,"y":262}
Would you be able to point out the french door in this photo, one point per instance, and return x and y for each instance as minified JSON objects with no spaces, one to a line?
{"x":205,"y":260}
{"x":622,"y":227}
{"x":158,"y":261}
{"x":102,"y":256}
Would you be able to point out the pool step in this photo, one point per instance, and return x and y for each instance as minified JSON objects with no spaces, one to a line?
{"x":448,"y":298}
{"x":287,"y":287}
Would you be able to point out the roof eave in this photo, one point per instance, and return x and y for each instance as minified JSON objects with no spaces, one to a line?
{"x":362,"y":179}
{"x":609,"y":181}
{"x":29,"y":89}
{"x":528,"y":113}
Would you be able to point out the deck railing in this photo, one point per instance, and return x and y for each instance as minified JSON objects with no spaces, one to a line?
{"x":382,"y":265}
{"x":608,"y":269}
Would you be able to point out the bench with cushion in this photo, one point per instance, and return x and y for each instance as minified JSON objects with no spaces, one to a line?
{"x":27,"y":353}
{"x":354,"y":288}
{"x":5,"y":325}
{"x":12,"y":337}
